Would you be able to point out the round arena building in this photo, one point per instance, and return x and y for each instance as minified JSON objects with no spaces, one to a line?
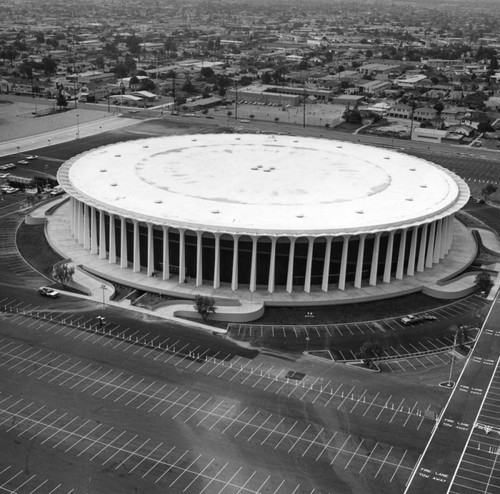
{"x":266,"y":213}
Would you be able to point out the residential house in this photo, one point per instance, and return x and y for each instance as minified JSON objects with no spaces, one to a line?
{"x":424,"y":113}
{"x":400,"y":110}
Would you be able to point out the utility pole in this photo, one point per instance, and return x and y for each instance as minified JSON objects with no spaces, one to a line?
{"x":304,"y":109}
{"x":236,"y":100}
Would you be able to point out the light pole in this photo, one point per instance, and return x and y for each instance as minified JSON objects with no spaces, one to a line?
{"x":103,"y":288}
{"x":77,"y":126}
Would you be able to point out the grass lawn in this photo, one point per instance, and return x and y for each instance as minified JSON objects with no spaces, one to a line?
{"x":350,"y":312}
{"x":34,"y":247}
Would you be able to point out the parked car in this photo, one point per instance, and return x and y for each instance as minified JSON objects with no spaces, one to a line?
{"x":48,"y":292}
{"x":7,"y":166}
{"x":416,"y":319}
{"x":4,"y":175}
{"x":57,"y":190}
{"x":245,"y":121}
{"x":23,"y":162}
{"x":31,"y":157}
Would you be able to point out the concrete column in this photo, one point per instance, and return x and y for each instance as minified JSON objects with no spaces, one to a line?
{"x":430,"y":246}
{"x":444,"y":237}
{"x":343,"y":263}
{"x":102,"y":235}
{"x":253,"y":266}
{"x":123,"y":243}
{"x":437,"y":244}
{"x":151,"y":251}
{"x":73,"y":217}
{"x":401,"y":256}
{"x":388,"y":258}
{"x":450,"y":234}
{"x":217,"y":261}
{"x":289,"y":276}
{"x":199,"y":258}
{"x":310,"y":248}
{"x":421,"y":249}
{"x":234,"y":275}
{"x":326,"y":264}
{"x":93,"y":231}
{"x":182,"y":255}
{"x":86,"y":227}
{"x":166,"y":254}
{"x":410,"y":271}
{"x":112,"y":239}
{"x":272,"y":266}
{"x":79,"y":234}
{"x":374,"y":265}
{"x":137,"y":248}
{"x":359,"y":261}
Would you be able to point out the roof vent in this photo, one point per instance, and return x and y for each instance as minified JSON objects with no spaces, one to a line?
{"x":423,"y":186}
{"x":145,"y":146}
{"x":409,"y":199}
{"x":114,"y":184}
{"x":117,"y":155}
{"x":387,"y":157}
{"x":360,"y":211}
{"x":300,"y":215}
{"x":102,"y":170}
{"x":413,"y":169}
{"x":215,"y":211}
{"x":158,"y":201}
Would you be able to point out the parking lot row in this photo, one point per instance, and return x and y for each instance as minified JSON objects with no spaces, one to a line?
{"x":14,"y":481}
{"x":463,"y":307}
{"x":161,"y":398}
{"x":129,"y":454}
{"x":479,"y":467}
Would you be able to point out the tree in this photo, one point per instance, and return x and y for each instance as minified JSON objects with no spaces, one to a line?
{"x":204,"y":306}
{"x":369,"y":350}
{"x":485,"y":127}
{"x":61,"y":101}
{"x":133,"y":44}
{"x":207,"y":73}
{"x":266,"y":78}
{"x":488,"y":190}
{"x":352,"y":116}
{"x":63,"y":273}
{"x":483,"y":281}
{"x":49,"y":65}
{"x":439,"y":107}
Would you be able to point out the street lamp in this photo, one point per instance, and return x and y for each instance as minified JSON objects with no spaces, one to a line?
{"x":77,"y":126}
{"x":103,"y":288}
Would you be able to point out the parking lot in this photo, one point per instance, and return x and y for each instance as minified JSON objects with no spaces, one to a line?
{"x":336,"y":337}
{"x":479,"y":468}
{"x":167,"y":461}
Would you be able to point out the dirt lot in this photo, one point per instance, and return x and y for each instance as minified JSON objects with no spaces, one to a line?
{"x":18,"y":119}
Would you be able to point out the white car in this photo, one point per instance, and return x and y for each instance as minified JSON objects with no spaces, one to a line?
{"x":4,"y":175}
{"x":48,"y":292}
{"x":416,"y":319}
{"x":31,"y":157}
{"x":23,"y":162}
{"x":7,"y":166}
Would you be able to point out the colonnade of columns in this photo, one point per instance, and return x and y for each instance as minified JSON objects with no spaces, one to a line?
{"x":414,"y":254}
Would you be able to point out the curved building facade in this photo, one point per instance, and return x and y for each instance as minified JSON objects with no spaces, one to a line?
{"x":260,"y":212}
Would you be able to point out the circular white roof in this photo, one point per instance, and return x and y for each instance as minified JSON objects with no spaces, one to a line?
{"x":247,"y":183}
